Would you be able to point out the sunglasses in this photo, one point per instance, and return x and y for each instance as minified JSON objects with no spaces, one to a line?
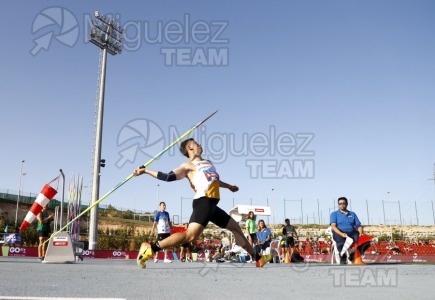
{"x":342,"y":203}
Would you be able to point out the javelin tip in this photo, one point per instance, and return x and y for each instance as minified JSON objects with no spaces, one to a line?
{"x":203,"y":121}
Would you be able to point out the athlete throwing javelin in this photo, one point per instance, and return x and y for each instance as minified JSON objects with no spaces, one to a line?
{"x":206,"y":183}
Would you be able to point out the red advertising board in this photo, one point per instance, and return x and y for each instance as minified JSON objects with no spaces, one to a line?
{"x":119,"y":254}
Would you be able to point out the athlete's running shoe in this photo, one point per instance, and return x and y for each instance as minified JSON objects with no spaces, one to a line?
{"x":145,"y":252}
{"x":263,"y":260}
{"x":167,"y":260}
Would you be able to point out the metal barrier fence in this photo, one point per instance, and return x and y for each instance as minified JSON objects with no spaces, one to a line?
{"x":304,"y":211}
{"x":301,"y":211}
{"x":28,"y":198}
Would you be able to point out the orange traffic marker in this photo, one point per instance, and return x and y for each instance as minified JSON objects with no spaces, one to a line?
{"x":287,"y":258}
{"x":357,"y":258}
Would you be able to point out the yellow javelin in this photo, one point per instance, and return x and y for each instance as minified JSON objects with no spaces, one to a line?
{"x":132,"y":175}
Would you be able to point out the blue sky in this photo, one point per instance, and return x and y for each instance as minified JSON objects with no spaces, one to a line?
{"x":316,"y":99}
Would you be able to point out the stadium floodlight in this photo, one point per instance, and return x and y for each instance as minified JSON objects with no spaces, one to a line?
{"x":107,"y":35}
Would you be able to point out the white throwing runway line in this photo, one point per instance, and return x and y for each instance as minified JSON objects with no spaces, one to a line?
{"x":45,"y":298}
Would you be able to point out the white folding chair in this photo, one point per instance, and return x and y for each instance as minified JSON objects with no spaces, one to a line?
{"x":274,"y":250}
{"x":335,"y":255}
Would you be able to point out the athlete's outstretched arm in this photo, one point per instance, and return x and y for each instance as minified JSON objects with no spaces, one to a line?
{"x":232,"y":188}
{"x":176,"y":174}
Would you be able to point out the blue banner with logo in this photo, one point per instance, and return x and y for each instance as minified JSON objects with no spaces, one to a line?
{"x":12,"y":238}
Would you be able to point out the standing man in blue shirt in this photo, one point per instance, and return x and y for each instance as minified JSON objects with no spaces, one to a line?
{"x":344,"y":223}
{"x":163,"y":223}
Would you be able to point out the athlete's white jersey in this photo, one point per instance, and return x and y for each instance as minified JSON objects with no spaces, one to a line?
{"x":206,"y":180}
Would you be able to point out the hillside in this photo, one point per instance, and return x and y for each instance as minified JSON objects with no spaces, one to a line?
{"x":110,"y":223}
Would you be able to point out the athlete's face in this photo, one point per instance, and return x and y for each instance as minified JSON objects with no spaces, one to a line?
{"x":194,"y":148}
{"x":162,"y":207}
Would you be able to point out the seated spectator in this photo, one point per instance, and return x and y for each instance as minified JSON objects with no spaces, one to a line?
{"x":301,"y":246}
{"x":393,"y":246}
{"x":224,"y":246}
{"x":264,"y":236}
{"x":396,"y":252}
{"x":408,"y":248}
{"x":326,"y":250}
{"x":315,"y":248}
{"x":345,"y":223}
